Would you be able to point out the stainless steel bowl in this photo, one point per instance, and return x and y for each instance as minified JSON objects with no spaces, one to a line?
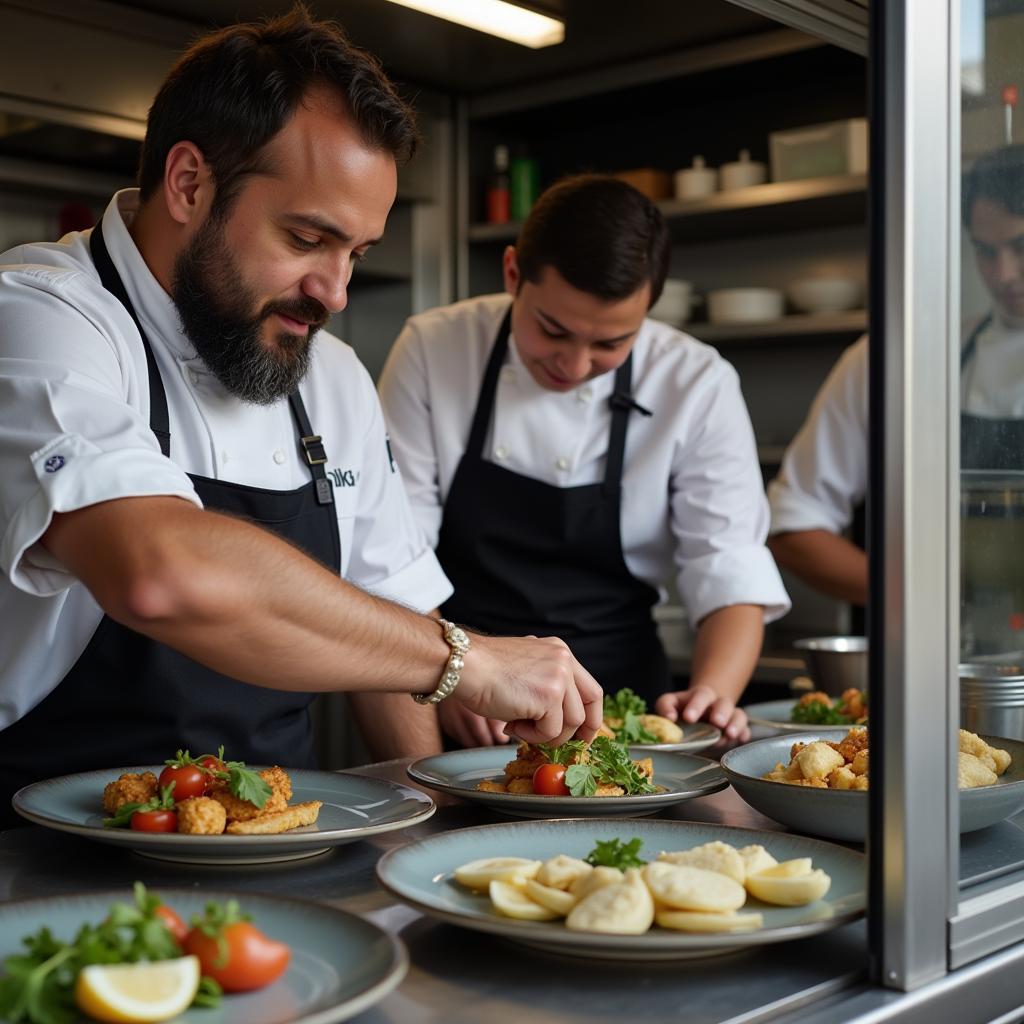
{"x":992,"y":699}
{"x":836,"y":663}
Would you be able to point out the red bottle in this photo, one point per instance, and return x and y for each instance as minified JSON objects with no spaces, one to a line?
{"x":498,"y":189}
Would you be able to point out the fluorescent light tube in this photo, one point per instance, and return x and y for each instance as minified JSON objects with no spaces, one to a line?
{"x":497,"y":17}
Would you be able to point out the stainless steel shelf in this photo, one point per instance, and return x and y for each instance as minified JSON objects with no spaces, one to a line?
{"x":780,"y":206}
{"x":798,"y":325}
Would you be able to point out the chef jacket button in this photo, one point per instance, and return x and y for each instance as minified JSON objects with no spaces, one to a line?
{"x":501,"y":452}
{"x":585,"y":394}
{"x":562,"y":462}
{"x":279,"y":456}
{"x":508,"y":373}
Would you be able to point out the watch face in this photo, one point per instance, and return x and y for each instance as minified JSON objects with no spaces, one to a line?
{"x":457,"y":636}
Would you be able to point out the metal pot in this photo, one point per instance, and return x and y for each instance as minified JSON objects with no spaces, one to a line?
{"x":836,"y":663}
{"x":992,"y":699}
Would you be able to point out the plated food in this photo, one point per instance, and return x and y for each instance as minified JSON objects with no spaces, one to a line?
{"x":827,"y":764}
{"x":677,"y":777}
{"x":626,"y":720}
{"x":599,"y":768}
{"x":352,"y":807}
{"x":335,"y":964}
{"x":613,"y":890}
{"x":704,"y":908}
{"x":206,"y":796}
{"x":818,"y":708}
{"x":823,"y":809}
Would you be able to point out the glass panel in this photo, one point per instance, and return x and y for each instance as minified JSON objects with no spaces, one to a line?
{"x":992,"y":404}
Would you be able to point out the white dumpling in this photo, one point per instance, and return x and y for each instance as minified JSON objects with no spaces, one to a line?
{"x":561,"y":871}
{"x":719,"y":857}
{"x":594,"y":880}
{"x":625,"y":908}
{"x":682,"y":887}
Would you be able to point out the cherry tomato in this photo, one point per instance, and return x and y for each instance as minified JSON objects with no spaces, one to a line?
{"x":549,"y":780}
{"x":252,"y":960}
{"x":188,"y":781}
{"x":155,"y":821}
{"x":214,"y":764}
{"x":175,"y":925}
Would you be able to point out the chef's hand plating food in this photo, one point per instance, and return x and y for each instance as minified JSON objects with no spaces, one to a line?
{"x":599,"y":768}
{"x":613,"y":891}
{"x":141,"y":963}
{"x":844,"y":765}
{"x":206,"y":796}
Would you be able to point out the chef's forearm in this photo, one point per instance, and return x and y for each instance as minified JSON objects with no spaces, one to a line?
{"x":726,"y":649}
{"x":242,"y":601}
{"x":826,"y":561}
{"x":393,"y":726}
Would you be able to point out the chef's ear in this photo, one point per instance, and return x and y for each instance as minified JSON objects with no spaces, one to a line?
{"x":510,"y":270}
{"x":188,"y":183}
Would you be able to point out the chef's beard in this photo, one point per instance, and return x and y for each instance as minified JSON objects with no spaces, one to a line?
{"x":215,"y":306}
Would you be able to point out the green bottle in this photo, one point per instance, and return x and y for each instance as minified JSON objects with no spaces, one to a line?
{"x":524,"y":173}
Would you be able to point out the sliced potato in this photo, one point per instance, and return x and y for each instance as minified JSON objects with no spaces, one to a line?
{"x":625,"y":908}
{"x":788,"y":868}
{"x":561,"y":871}
{"x":694,"y":921}
{"x":511,"y":901}
{"x":557,"y":900}
{"x":682,"y":887}
{"x":478,"y":874}
{"x":789,"y":892}
{"x":719,"y":857}
{"x":594,"y":880}
{"x":756,"y":858}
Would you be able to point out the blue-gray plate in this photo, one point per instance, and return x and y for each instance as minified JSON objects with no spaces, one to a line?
{"x":774,"y":714}
{"x":698,"y":736}
{"x":421,"y":873}
{"x":340,"y":964}
{"x":843,"y":814}
{"x":354,"y":807}
{"x":680,"y":776}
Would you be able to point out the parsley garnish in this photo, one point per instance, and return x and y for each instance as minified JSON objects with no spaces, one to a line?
{"x":821,"y":712}
{"x":622,"y":715}
{"x":608,"y":763}
{"x":613,"y":853}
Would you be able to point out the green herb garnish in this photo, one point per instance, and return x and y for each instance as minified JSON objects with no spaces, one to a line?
{"x":38,"y":986}
{"x":820,"y":712}
{"x":163,"y":801}
{"x":608,"y":763}
{"x":622,"y":715}
{"x":245,"y":783}
{"x":613,"y":853}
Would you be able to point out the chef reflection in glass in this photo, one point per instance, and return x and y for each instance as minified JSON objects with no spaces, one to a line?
{"x":568,"y":456}
{"x":823,"y":478}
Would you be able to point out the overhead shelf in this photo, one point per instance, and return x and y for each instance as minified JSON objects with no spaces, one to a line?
{"x":798,"y":325}
{"x":780,"y":206}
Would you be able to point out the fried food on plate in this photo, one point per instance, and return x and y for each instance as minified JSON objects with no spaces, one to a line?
{"x":243,"y":810}
{"x":129,"y":788}
{"x":294,"y":816}
{"x":201,"y":816}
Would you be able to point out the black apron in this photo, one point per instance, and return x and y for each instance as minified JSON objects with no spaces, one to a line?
{"x":130,"y":700}
{"x":988,"y":443}
{"x":528,"y":557}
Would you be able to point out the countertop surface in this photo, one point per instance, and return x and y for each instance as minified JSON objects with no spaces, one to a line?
{"x":461,"y":976}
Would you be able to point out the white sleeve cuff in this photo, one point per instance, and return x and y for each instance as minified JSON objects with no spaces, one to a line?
{"x":744,"y":575}
{"x":792,"y":511}
{"x":420,"y":585}
{"x":73,"y":473}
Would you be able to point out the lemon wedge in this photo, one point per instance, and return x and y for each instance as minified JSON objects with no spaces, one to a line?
{"x":137,"y":993}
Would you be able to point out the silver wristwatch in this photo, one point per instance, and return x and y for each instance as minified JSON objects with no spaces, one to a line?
{"x":458,"y":640}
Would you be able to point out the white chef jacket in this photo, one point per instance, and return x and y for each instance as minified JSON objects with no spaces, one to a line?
{"x":691,"y":485}
{"x":824,"y":473}
{"x":74,"y":385}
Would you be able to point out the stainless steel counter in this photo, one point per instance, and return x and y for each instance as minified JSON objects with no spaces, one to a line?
{"x":463,"y":977}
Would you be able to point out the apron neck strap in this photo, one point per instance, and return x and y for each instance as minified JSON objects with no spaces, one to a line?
{"x":972,"y":342}
{"x":485,"y":402}
{"x":620,"y":420}
{"x":159,"y":420}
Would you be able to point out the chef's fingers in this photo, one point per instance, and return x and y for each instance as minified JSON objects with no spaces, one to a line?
{"x":463,"y":726}
{"x":592,"y":699}
{"x":497,"y":729}
{"x":667,"y":705}
{"x":700,"y":699}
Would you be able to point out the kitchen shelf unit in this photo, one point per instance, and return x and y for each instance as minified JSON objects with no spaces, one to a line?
{"x":796,"y":326}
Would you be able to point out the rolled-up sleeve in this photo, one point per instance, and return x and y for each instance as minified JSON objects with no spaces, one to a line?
{"x":390,"y":555}
{"x":823,"y":476}
{"x":718,"y":506}
{"x":71,"y":432}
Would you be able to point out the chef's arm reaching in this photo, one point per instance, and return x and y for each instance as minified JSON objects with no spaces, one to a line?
{"x":725,"y":652}
{"x":244,"y":602}
{"x":824,"y":560}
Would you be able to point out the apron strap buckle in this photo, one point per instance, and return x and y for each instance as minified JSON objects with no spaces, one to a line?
{"x":312,"y":446}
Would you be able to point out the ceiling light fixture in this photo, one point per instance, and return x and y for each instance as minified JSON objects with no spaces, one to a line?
{"x":518,"y":25}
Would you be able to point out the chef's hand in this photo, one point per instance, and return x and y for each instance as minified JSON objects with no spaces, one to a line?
{"x":469,"y":729}
{"x":702,"y":702}
{"x":535,"y":685}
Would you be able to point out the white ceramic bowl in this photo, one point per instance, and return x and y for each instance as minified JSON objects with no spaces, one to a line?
{"x":825,"y":294}
{"x":744,"y":305}
{"x":675,"y":302}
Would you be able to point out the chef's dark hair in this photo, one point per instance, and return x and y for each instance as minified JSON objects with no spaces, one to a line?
{"x":602,"y":235}
{"x":234,"y":89}
{"x":997,"y":176}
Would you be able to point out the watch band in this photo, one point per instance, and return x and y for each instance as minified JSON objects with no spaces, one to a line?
{"x":458,"y":640}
